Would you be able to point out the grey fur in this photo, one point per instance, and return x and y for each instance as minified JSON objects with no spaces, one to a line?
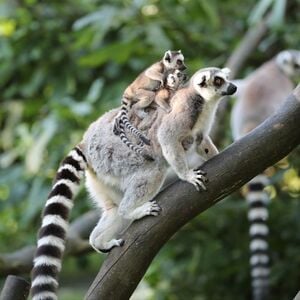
{"x":142,"y":92}
{"x":123,"y":183}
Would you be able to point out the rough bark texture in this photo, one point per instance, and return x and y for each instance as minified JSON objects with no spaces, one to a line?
{"x":235,"y":63}
{"x":297,"y":296}
{"x":20,"y":261}
{"x":15,"y":288}
{"x":249,"y":42}
{"x":180,"y":202}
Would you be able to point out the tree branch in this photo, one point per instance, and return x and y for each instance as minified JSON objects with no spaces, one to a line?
{"x":249,"y":42}
{"x":297,"y":297}
{"x":235,"y":63}
{"x":15,"y":288}
{"x":20,"y":261}
{"x":125,"y":266}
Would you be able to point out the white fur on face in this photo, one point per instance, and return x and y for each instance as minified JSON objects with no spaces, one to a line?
{"x":171,"y":80}
{"x":173,"y":63}
{"x":202,"y":82}
{"x":288,"y":61}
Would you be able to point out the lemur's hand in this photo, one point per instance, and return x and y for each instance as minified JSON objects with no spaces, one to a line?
{"x":197,"y":178}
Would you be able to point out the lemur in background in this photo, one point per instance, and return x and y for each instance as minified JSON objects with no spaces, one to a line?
{"x":173,"y":81}
{"x":259,"y":96}
{"x":142,"y":90}
{"x":121,"y":182}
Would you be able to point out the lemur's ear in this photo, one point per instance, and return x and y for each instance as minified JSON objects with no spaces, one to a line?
{"x":226,"y":71}
{"x":203,"y":81}
{"x":167,"y":56}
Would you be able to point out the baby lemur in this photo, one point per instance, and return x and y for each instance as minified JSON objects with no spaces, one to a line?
{"x":141,"y":92}
{"x":173,"y":81}
{"x":121,"y":182}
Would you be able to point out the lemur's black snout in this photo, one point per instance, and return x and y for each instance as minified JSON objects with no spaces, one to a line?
{"x":182,"y":67}
{"x":231,"y":89}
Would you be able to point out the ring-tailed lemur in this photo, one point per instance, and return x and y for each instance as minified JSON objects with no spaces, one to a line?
{"x":259,"y":96}
{"x":122,"y":183}
{"x":142,"y":90}
{"x":172,"y":83}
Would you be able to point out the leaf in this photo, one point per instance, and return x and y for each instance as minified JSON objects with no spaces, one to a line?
{"x":103,"y":17}
{"x":35,"y":154}
{"x":157,"y":38}
{"x":95,"y":90}
{"x":211,"y":13}
{"x":278,"y":11}
{"x":118,"y":52}
{"x":259,"y":10}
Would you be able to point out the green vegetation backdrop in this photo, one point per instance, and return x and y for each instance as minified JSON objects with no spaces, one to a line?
{"x":64,"y":63}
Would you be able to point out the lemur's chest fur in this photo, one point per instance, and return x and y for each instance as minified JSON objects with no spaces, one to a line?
{"x":204,"y":113}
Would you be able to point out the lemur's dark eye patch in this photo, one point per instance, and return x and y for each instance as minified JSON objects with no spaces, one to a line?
{"x":218,"y":81}
{"x":179,"y":62}
{"x":296,"y":66}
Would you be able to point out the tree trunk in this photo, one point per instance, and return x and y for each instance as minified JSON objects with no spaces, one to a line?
{"x":125,"y":266}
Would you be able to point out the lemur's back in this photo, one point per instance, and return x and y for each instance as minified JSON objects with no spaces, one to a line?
{"x":258,"y":94}
{"x":106,"y":152}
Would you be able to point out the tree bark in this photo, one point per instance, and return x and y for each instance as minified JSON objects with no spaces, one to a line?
{"x":235,"y":63}
{"x":15,"y":288}
{"x":297,"y":297}
{"x":125,"y":266}
{"x":20,"y":261}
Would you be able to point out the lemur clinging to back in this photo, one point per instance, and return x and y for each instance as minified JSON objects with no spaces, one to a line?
{"x":259,"y":96}
{"x":121,"y":182}
{"x":172,"y":82}
{"x":142,"y":90}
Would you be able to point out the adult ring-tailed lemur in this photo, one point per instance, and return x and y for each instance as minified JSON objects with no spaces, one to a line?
{"x":121,"y":182}
{"x":259,"y":96}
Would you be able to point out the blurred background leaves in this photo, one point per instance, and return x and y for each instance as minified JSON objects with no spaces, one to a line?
{"x":64,"y":63}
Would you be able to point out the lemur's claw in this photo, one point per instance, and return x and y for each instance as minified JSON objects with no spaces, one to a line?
{"x":197,"y":178}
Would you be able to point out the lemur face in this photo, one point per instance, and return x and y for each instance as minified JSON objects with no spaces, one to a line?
{"x":174,"y":60}
{"x":213,"y":83}
{"x":175,"y":79}
{"x":289,"y":62}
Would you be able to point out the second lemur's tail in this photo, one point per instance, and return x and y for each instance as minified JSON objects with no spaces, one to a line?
{"x":122,"y":118}
{"x":258,"y":200}
{"x":52,"y":234}
{"x":137,"y":149}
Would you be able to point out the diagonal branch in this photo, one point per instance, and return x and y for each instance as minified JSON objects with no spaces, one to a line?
{"x":20,"y":261}
{"x":180,"y":202}
{"x":235,"y":63}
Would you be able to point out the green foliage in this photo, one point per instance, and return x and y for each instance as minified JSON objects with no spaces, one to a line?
{"x":64,"y":63}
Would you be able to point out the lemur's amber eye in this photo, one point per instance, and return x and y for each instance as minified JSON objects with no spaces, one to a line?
{"x":179,"y":62}
{"x":218,"y":81}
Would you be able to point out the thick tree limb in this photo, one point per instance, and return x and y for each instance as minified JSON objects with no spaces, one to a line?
{"x":20,"y":261}
{"x":15,"y":288}
{"x":236,"y":61}
{"x":249,"y":43}
{"x":297,"y":297}
{"x":180,"y":202}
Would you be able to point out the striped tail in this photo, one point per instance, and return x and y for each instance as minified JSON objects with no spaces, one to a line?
{"x":258,"y":201}
{"x":122,"y":118}
{"x":137,"y":149}
{"x":52,"y":234}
